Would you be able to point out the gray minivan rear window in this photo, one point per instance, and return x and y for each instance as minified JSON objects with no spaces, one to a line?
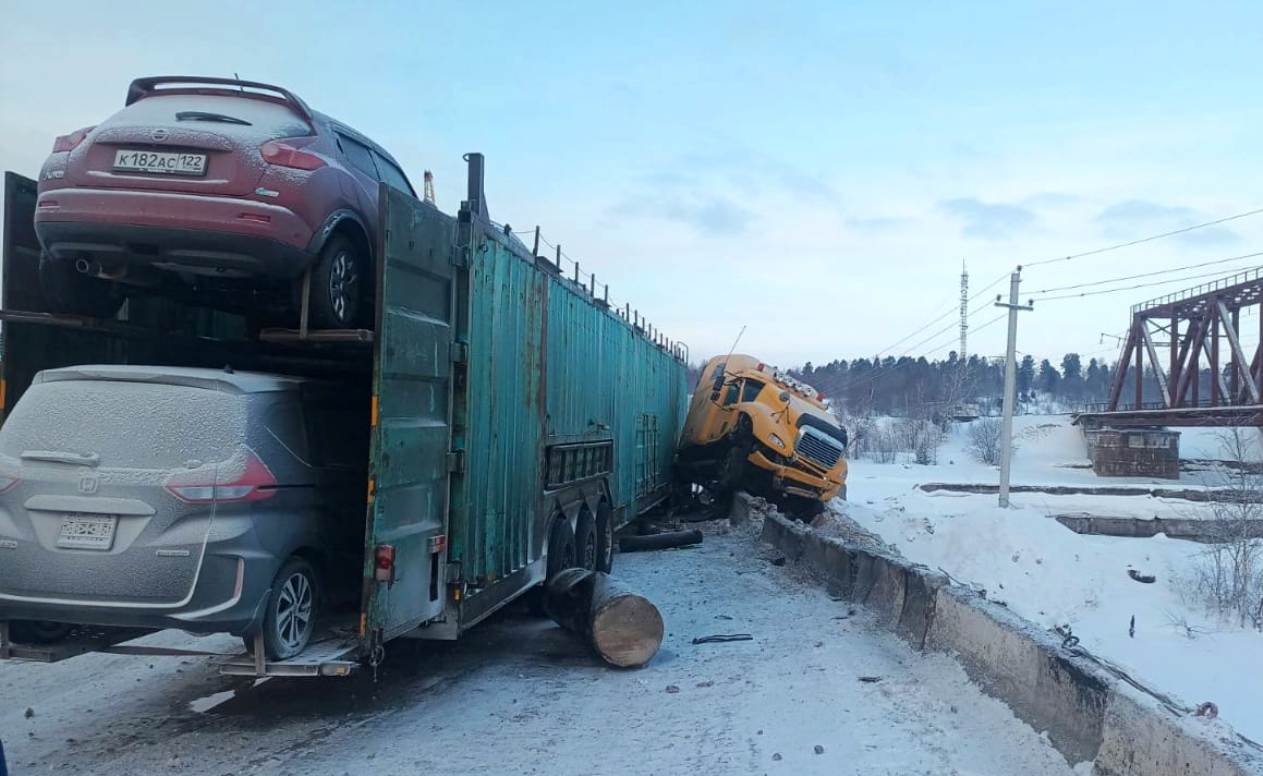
{"x":128,"y":424}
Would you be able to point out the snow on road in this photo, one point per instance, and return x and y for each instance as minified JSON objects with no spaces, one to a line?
{"x":1053,"y":576}
{"x":520,"y":696}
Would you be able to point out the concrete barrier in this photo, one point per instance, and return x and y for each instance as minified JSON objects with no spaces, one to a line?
{"x":1088,"y":711}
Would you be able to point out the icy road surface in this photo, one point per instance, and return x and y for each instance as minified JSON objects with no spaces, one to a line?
{"x":518,"y":695}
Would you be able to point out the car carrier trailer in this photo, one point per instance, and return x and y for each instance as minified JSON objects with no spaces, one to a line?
{"x":511,"y":408}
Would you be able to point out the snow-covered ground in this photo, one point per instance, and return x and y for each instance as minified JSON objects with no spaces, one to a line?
{"x":518,"y":695}
{"x":1055,"y":577}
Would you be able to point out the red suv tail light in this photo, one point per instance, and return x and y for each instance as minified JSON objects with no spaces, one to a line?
{"x":71,"y":141}
{"x":254,"y":482}
{"x":289,"y":153}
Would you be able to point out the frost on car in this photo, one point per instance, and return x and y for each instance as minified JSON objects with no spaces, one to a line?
{"x":233,"y":193}
{"x":159,"y":497}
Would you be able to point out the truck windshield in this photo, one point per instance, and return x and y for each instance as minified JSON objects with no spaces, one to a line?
{"x":126,"y":424}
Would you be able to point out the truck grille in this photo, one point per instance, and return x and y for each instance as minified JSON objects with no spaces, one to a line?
{"x":819,"y":448}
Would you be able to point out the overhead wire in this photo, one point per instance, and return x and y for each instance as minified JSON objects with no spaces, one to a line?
{"x":1150,"y":238}
{"x":1123,"y":278}
{"x":935,"y":320}
{"x":1136,"y":286}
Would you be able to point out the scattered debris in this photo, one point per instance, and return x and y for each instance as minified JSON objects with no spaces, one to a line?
{"x":1208,"y":710}
{"x":1147,"y":579}
{"x":672,"y":689}
{"x":29,"y":712}
{"x":778,"y":561}
{"x":719,"y":638}
{"x":819,"y":749}
{"x":776,"y":756}
{"x":870,"y":679}
{"x":1131,"y":629}
{"x":722,"y":617}
{"x":660,"y":541}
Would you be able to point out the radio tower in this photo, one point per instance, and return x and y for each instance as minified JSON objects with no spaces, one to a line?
{"x":964,"y":313}
{"x":429,"y":187}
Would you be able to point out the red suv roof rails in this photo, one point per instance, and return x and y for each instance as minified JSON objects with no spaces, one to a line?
{"x":147,"y":87}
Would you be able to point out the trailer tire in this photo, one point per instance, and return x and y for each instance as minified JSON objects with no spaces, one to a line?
{"x":290,"y":619}
{"x":586,"y":546}
{"x":604,"y":538}
{"x":561,"y":548}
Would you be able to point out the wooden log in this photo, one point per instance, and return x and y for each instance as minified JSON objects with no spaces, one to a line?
{"x":660,"y":541}
{"x":623,"y":627}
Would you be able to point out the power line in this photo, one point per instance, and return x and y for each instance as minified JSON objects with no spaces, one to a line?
{"x":1150,"y":238}
{"x":950,"y":326}
{"x":1134,"y":287}
{"x":955,"y":308}
{"x":1148,"y":274}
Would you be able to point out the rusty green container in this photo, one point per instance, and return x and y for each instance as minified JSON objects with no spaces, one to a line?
{"x":539,"y":400}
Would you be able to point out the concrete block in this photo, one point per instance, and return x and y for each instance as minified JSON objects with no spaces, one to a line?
{"x":886,"y":597}
{"x":1022,"y":665}
{"x":1142,"y":737}
{"x":742,"y":508}
{"x":920,"y":595}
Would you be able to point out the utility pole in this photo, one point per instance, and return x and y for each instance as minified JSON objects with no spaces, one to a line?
{"x":1010,"y":381}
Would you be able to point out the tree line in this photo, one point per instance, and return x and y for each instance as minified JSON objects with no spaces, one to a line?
{"x":900,"y":386}
{"x":920,"y":387}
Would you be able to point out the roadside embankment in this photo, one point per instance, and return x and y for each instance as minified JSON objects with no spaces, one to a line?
{"x":1090,"y":710}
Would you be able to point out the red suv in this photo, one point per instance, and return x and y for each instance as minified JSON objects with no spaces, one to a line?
{"x":217,"y":189}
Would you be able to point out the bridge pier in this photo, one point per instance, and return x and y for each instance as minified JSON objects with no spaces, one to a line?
{"x":1134,"y":452}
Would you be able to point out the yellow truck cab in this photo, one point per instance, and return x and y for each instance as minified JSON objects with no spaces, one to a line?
{"x":751,"y":426}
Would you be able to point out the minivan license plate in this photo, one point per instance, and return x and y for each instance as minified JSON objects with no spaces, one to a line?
{"x":160,"y":162}
{"x":86,"y":533}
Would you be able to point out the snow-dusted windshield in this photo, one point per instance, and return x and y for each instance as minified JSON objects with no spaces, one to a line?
{"x":126,"y":424}
{"x":243,"y":117}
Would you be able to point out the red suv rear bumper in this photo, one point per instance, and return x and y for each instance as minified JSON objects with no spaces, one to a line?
{"x":179,"y":230}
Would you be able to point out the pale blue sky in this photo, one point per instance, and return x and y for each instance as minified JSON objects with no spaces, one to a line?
{"x":814,"y":170}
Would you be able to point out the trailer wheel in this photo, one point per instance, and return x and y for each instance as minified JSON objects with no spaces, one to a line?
{"x":604,"y":538}
{"x":561,"y":548}
{"x":585,"y":541}
{"x":290,"y":620}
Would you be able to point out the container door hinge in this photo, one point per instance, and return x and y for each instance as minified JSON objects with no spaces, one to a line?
{"x":460,"y":352}
{"x":456,"y":461}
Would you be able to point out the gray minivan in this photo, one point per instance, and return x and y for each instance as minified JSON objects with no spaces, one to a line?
{"x":166,"y":497}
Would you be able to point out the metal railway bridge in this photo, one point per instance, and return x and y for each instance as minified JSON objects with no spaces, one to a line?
{"x":1186,"y":336}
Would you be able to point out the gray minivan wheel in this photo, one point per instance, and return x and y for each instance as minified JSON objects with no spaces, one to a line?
{"x":290,"y":620}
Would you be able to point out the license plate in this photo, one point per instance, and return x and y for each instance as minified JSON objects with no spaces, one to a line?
{"x":86,"y":533}
{"x":160,"y":162}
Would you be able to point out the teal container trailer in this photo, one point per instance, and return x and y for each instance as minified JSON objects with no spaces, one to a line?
{"x":511,"y":408}
{"x":557,"y":409}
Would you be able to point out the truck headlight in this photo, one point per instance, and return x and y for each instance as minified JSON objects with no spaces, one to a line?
{"x":774,"y":439}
